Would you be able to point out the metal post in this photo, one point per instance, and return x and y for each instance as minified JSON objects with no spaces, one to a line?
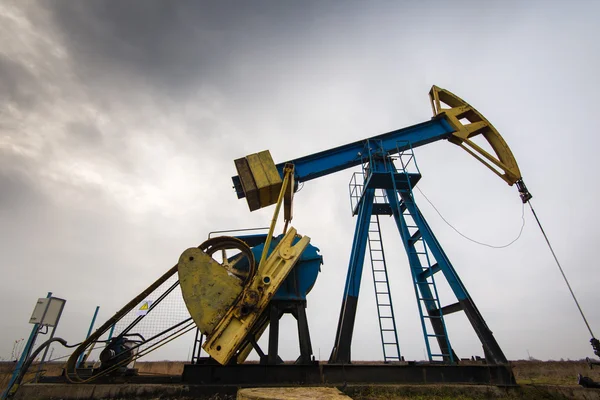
{"x":343,"y":338}
{"x":112,"y":331}
{"x":88,"y":334}
{"x":37,"y":375}
{"x":273,"y":334}
{"x":24,"y":355}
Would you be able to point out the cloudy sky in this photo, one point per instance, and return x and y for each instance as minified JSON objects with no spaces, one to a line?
{"x":120,"y":121}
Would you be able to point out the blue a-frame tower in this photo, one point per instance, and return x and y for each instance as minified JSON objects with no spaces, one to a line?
{"x":385,"y":187}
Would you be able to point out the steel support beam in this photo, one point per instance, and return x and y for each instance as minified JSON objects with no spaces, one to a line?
{"x":337,"y":159}
{"x":492,"y":350}
{"x":343,"y":337}
{"x":332,"y":374}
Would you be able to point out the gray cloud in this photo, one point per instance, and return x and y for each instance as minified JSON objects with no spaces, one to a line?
{"x":172,"y":47}
{"x":14,"y":86}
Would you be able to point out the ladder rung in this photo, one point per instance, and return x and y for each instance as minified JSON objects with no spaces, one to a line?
{"x":431,"y":316}
{"x":390,"y":343}
{"x":440,"y":355}
{"x":427,"y":299}
{"x":378,"y":260}
{"x":388,"y":330}
{"x":416,"y":236}
{"x":385,"y":316}
{"x":384,"y":305}
{"x":427,"y":282}
{"x":430,"y":335}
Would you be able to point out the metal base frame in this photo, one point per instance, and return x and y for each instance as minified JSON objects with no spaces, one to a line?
{"x":297,"y":308}
{"x":333,"y":374}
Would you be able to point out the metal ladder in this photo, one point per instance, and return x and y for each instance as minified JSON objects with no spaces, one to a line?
{"x":427,"y":295}
{"x":422,"y":269}
{"x":383,"y":296}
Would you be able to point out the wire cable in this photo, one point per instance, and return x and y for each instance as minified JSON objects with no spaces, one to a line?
{"x":473,"y":240}
{"x":561,"y":270}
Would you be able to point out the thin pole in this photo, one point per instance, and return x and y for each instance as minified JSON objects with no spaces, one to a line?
{"x":37,"y":375}
{"x":88,"y":334}
{"x":287,"y":173}
{"x":112,"y":330}
{"x":561,"y":270}
{"x":24,"y":356}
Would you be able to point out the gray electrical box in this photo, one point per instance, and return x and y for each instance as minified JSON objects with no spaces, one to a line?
{"x":47,"y":311}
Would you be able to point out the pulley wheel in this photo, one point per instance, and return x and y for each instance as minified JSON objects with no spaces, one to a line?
{"x":240,"y":261}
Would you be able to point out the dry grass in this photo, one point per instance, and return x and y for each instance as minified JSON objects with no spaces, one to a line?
{"x":6,"y":369}
{"x":552,"y":372}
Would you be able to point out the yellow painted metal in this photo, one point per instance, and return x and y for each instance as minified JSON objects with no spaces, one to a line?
{"x":71,"y":371}
{"x":230,"y":332}
{"x":288,"y":200}
{"x":273,"y":177}
{"x":265,"y":175}
{"x":223,"y":307}
{"x":208,"y":289}
{"x":288,"y":173}
{"x":248,"y":184}
{"x":245,"y":351}
{"x":468,"y":122}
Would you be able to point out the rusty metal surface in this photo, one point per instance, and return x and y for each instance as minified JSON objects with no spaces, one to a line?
{"x":208,"y":289}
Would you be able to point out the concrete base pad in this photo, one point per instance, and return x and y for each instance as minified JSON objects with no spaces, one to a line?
{"x":301,"y":393}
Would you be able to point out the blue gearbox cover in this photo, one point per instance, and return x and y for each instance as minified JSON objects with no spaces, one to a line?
{"x":301,"y":278}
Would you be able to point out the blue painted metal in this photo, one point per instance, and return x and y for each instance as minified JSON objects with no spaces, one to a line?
{"x":111,"y":332}
{"x":381,"y":173}
{"x":417,"y":249}
{"x":88,"y":334}
{"x":373,"y":156}
{"x":442,"y":260}
{"x":359,"y":244}
{"x":303,"y":276}
{"x":423,"y":279}
{"x":24,"y":355}
{"x":383,"y":293}
{"x":347,"y":156}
